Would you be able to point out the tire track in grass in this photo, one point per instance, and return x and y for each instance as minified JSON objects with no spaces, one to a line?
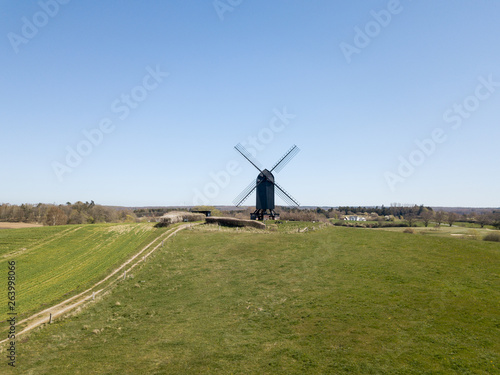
{"x":84,"y":258}
{"x":40,"y":243}
{"x":69,"y":304}
{"x":94,"y":239}
{"x":77,"y":257}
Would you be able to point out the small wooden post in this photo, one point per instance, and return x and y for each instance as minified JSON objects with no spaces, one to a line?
{"x":124,"y":275}
{"x":50,"y":318}
{"x":93,"y":296}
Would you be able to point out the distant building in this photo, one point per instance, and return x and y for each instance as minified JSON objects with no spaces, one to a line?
{"x":354,"y":218}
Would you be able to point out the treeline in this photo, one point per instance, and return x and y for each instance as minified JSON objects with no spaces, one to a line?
{"x":394,"y":210}
{"x":70,"y":213}
{"x":90,"y":213}
{"x":154,"y":212}
{"x":482,"y":218}
{"x":394,"y":215}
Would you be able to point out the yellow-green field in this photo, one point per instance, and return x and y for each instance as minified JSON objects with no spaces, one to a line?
{"x":54,"y":263}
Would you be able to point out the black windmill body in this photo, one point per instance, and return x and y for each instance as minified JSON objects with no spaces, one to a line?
{"x":265,"y":185}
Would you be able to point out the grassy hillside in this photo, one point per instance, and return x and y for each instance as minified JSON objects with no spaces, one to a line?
{"x":335,"y":300}
{"x":53,"y":263}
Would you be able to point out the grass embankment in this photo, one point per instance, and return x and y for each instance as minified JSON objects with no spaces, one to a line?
{"x":336,"y":300}
{"x":54,"y":263}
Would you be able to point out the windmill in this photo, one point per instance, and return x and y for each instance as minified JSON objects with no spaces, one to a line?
{"x":265,"y":185}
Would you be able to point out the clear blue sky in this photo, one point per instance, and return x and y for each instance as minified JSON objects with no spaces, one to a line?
{"x":167,"y":88}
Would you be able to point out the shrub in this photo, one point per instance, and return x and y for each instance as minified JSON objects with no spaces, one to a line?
{"x":409,"y":230}
{"x":492,"y":237}
{"x":340,"y":224}
{"x":177,"y":217}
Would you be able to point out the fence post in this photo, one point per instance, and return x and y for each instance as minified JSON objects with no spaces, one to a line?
{"x":124,"y":275}
{"x":50,"y":318}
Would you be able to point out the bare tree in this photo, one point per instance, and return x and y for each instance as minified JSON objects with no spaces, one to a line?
{"x":335,"y":214}
{"x":452,"y":217}
{"x":410,"y":218}
{"x":483,"y":219}
{"x":56,"y":216}
{"x":440,"y":217}
{"x":495,"y":221}
{"x":426,"y":216}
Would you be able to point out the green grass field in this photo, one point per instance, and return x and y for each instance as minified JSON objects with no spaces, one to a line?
{"x":332,"y":300}
{"x":54,"y":263}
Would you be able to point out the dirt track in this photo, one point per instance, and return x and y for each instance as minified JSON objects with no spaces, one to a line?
{"x":75,"y":301}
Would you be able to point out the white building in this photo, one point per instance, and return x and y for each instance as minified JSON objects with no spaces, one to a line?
{"x":355,"y":218}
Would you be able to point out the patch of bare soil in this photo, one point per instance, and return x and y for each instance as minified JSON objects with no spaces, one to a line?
{"x":4,"y":225}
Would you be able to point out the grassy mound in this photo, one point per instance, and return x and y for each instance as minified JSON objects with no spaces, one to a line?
{"x":233,"y":222}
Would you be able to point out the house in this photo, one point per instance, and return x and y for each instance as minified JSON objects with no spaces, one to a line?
{"x":355,"y":218}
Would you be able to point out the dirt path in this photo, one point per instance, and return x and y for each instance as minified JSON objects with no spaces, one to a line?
{"x":89,"y":294}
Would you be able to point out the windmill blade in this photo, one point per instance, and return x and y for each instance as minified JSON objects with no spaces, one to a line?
{"x":282,"y":193}
{"x":244,"y":194}
{"x":243,"y":151}
{"x":289,"y":155}
{"x":285,"y":198}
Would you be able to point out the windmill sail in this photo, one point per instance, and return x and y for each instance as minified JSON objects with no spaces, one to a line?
{"x":243,"y":151}
{"x":238,"y":201}
{"x":289,"y":155}
{"x":283,"y":194}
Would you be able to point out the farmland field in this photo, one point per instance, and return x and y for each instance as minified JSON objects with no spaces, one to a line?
{"x":331,"y":300}
{"x":53,"y":263}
